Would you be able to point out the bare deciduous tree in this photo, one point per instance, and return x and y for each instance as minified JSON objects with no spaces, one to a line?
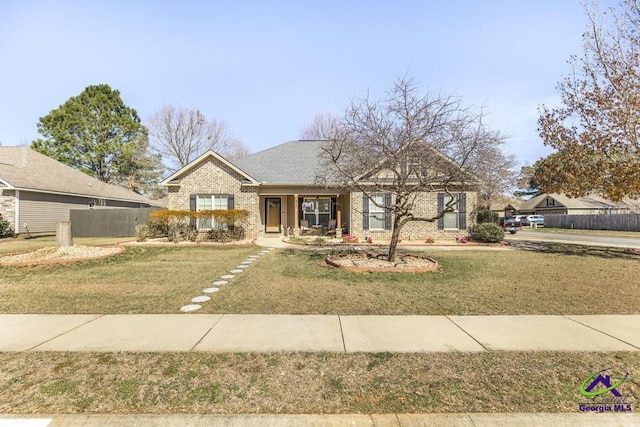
{"x":404,"y":145}
{"x":323,"y":126}
{"x":181,"y":135}
{"x":596,"y":130}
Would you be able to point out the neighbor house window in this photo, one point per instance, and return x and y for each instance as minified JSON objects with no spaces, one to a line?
{"x":210,"y":202}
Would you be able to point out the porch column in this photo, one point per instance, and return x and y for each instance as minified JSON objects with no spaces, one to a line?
{"x":339,"y":217}
{"x":339,"y":212}
{"x":296,"y":213}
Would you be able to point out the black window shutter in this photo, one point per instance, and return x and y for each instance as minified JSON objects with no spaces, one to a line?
{"x":440,"y":209}
{"x":462,"y":211}
{"x":387,"y":212}
{"x":230,"y":202}
{"x":193,"y":207}
{"x":365,"y":212}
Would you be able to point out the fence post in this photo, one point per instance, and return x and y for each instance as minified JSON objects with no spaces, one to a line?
{"x":63,"y":234}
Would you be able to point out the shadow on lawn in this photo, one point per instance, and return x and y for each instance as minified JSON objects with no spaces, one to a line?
{"x":571,"y":249}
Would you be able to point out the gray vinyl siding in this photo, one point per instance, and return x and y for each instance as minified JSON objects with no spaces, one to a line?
{"x":41,"y":211}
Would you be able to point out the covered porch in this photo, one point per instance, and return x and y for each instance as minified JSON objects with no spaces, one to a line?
{"x":304,"y":211}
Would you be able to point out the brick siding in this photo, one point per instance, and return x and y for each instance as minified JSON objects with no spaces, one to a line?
{"x":427,"y":206}
{"x":214,"y":177}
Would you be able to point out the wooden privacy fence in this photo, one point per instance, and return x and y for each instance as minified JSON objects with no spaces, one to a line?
{"x":107,"y":222}
{"x":620,"y":222}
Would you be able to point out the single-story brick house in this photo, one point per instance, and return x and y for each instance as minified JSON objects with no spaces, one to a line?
{"x":278,"y":186}
{"x":37,"y":191}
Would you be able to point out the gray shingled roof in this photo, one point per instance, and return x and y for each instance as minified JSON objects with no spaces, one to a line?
{"x":586,"y":202}
{"x":293,"y":162}
{"x":25,"y":169}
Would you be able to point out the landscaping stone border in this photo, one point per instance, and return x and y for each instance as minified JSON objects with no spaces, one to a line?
{"x":332,"y":261}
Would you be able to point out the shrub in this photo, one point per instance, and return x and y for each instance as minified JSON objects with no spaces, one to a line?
{"x":484,"y":215}
{"x":487,"y":233}
{"x":142,"y":232}
{"x":229,"y":234}
{"x":5,"y":227}
{"x":157,"y":227}
{"x":180,"y":225}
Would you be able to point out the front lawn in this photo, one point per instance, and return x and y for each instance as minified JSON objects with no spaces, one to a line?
{"x":551,"y":279}
{"x":291,"y":383}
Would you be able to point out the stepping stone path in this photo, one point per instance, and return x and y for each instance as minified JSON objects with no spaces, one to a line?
{"x":239,"y":269}
{"x":190,"y":307}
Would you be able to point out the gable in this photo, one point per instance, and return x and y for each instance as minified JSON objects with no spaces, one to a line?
{"x":549,"y":202}
{"x":215,"y":164}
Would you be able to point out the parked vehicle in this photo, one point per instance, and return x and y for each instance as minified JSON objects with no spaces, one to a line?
{"x":533,"y":219}
{"x":512,"y":225}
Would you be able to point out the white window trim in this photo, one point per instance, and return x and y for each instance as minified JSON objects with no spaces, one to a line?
{"x":212,"y":197}
{"x":455,"y":212}
{"x":376,"y":212}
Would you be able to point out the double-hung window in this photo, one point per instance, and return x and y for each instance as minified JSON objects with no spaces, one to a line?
{"x":456,"y":219}
{"x":451,"y":218}
{"x":376,"y":212}
{"x":375,"y":215}
{"x":210,"y":202}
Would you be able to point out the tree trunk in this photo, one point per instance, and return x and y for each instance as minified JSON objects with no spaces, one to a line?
{"x":395,"y":237}
{"x":63,"y":234}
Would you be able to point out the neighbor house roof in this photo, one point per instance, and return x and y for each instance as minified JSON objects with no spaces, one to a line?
{"x":294,"y":162}
{"x":24,"y":169}
{"x":585,"y":202}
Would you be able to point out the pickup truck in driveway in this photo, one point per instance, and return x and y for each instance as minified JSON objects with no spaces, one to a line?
{"x":511,"y":225}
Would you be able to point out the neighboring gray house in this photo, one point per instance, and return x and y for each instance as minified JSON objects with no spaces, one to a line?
{"x":553,"y":203}
{"x":278,"y":187}
{"x":37,"y":191}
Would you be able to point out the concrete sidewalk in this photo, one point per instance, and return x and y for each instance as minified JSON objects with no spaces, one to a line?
{"x":316,"y":333}
{"x":356,"y":420}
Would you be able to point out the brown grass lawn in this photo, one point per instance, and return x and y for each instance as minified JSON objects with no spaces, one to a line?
{"x":303,"y":382}
{"x":140,"y":280}
{"x":554,"y":278}
{"x":11,"y":245}
{"x":561,"y":279}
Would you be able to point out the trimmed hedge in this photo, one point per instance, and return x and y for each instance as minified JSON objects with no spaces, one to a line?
{"x":487,"y":232}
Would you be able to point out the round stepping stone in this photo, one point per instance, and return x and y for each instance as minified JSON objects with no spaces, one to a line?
{"x":210,"y":290}
{"x":236,"y":271}
{"x":242,"y":266}
{"x":271,"y":249}
{"x":227,"y":276}
{"x":254,"y":257}
{"x":220,"y":282}
{"x":190,"y":307}
{"x":247,"y":262}
{"x":201,"y":298}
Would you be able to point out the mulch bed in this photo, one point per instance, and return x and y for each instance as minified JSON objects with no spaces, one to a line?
{"x":366,"y":261}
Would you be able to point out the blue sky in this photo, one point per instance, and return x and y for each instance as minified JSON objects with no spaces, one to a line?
{"x":266,"y":68}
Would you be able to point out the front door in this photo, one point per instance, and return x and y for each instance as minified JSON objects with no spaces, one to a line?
{"x":272,"y":208}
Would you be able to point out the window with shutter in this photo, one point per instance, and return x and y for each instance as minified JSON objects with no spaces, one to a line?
{"x":210,"y":202}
